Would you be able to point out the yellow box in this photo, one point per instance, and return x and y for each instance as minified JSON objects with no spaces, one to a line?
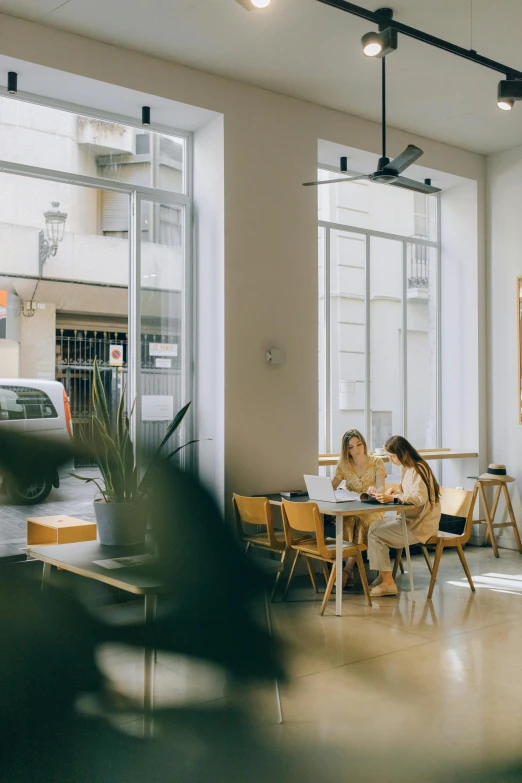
{"x":59,"y":530}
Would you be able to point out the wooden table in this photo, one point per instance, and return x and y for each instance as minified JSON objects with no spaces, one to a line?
{"x":80,"y":559}
{"x":427,"y":454}
{"x":352,"y":508}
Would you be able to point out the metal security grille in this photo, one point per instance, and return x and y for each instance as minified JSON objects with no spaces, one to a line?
{"x":419,"y":263}
{"x":76,"y":350}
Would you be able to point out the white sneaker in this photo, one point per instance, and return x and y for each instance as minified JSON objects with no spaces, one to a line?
{"x":382,"y":590}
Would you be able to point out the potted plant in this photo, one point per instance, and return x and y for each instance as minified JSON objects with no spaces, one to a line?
{"x":122,"y":510}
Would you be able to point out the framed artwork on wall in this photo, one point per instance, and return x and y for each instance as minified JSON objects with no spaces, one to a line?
{"x":519,"y":324}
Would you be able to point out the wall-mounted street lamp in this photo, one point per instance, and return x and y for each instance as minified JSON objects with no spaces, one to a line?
{"x":53,"y":234}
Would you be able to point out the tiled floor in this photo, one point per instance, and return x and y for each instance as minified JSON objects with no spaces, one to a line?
{"x":396,"y":688}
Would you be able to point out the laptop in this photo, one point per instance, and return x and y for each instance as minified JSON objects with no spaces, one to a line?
{"x":320,"y":488}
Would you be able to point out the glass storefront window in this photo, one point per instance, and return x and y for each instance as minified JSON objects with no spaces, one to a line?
{"x":364,"y":204}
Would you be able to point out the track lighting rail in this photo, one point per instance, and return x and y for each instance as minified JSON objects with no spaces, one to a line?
{"x":419,"y":35}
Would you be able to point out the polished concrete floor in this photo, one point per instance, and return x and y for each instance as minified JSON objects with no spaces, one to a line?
{"x":397,"y":691}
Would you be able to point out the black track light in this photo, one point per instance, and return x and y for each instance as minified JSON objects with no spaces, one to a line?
{"x":383,"y":42}
{"x":12,"y":83}
{"x":379,"y":44}
{"x":509,"y":91}
{"x":145,"y":116}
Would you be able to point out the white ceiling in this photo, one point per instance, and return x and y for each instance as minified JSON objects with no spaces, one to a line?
{"x":308,"y":50}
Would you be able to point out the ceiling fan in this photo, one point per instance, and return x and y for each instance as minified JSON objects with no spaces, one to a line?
{"x":388,"y":171}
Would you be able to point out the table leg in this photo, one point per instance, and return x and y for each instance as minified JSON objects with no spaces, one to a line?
{"x":339,"y":518}
{"x":276,"y":682}
{"x":408,"y":554}
{"x":46,"y":575}
{"x":148,"y":689}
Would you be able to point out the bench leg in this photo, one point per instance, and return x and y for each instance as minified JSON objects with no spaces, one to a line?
{"x":46,"y":575}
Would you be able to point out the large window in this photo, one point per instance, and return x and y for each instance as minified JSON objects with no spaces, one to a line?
{"x":95,"y":260}
{"x":378,"y":314}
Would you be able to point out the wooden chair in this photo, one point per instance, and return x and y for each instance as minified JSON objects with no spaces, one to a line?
{"x":257,"y":512}
{"x":457,"y":503}
{"x":304,"y":518}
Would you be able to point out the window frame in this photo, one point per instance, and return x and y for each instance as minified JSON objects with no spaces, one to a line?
{"x":137,"y":194}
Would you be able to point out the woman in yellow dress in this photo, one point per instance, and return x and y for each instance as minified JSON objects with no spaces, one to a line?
{"x":362,"y":473}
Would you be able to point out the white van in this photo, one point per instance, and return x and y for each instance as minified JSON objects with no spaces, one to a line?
{"x":31,"y":407}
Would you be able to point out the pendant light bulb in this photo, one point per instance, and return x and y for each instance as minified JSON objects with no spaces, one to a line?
{"x":371,"y":44}
{"x":260,"y":3}
{"x":372,"y":49}
{"x":505,"y":104}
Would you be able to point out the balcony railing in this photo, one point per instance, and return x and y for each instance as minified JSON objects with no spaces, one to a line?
{"x":418,"y":276}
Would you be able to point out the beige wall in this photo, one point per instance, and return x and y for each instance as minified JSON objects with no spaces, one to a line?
{"x":504,"y":266}
{"x":9,"y":359}
{"x":38,"y":343}
{"x":270,"y":283}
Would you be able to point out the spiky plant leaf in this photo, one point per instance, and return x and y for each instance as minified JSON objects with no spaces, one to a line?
{"x":157,"y":457}
{"x":120,"y":426}
{"x":173,"y":426}
{"x":101,"y":409}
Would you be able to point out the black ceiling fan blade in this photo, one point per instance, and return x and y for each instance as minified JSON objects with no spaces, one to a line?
{"x":333,"y":181}
{"x":412,"y":184}
{"x":405,"y":159}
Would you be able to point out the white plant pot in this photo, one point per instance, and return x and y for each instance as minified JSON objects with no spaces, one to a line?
{"x":121,"y":524}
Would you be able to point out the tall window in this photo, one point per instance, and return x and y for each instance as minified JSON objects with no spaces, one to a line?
{"x":378,"y":314}
{"x":95,"y":259}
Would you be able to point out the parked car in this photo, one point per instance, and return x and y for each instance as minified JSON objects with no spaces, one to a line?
{"x":35,"y":407}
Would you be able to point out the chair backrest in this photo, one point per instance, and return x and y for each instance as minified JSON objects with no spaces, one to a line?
{"x":459,"y":503}
{"x":253,"y":511}
{"x":303,"y":518}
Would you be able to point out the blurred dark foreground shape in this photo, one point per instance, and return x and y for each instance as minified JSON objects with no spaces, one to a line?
{"x":209,"y":610}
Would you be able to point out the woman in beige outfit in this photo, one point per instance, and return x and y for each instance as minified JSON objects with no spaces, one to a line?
{"x":418,"y":487}
{"x":361,"y":472}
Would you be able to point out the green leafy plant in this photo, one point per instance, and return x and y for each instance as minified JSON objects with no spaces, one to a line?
{"x":113,"y":449}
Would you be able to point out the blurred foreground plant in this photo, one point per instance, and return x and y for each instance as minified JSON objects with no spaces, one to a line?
{"x":112,"y":448}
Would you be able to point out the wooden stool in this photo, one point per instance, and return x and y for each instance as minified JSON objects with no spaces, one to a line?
{"x":59,"y":530}
{"x":501,"y":486}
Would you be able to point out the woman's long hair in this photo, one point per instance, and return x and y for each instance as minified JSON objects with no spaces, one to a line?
{"x":410,"y":458}
{"x":345,"y":454}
